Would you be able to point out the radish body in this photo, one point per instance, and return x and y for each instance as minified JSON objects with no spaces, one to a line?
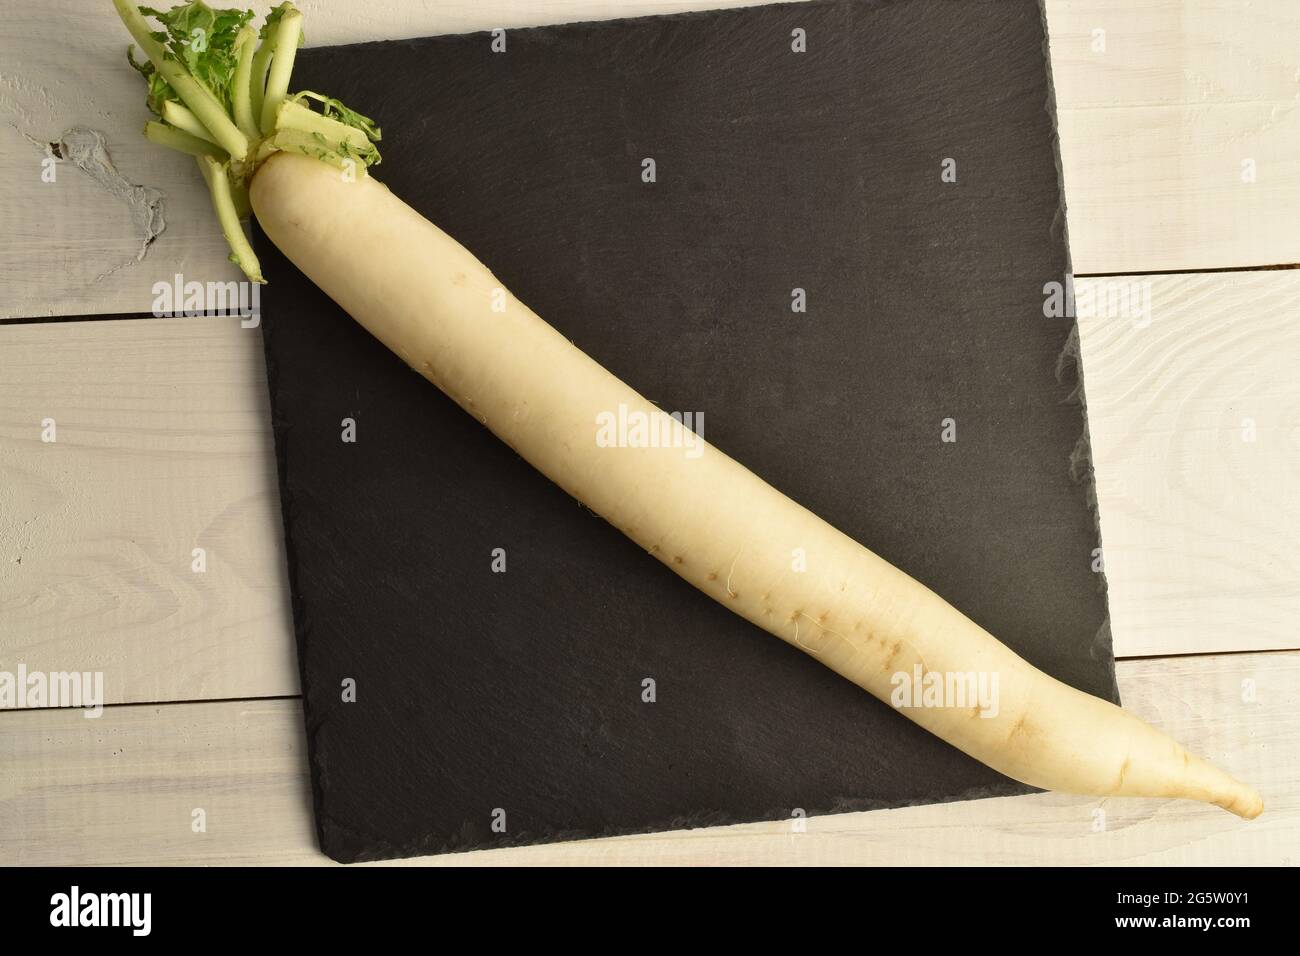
{"x":705,"y":516}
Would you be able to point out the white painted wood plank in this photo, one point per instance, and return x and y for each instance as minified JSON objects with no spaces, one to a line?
{"x":1195,"y":425}
{"x":1172,"y":52}
{"x":162,"y":445}
{"x":1160,"y":104}
{"x":1164,"y":188}
{"x":1154,"y":129}
{"x":122,"y":790}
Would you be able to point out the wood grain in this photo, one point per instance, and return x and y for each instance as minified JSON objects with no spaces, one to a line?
{"x":1195,"y":425}
{"x":1154,"y":130}
{"x":122,"y":790}
{"x":162,"y":446}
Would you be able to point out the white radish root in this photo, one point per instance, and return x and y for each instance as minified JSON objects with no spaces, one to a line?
{"x":706,"y":517}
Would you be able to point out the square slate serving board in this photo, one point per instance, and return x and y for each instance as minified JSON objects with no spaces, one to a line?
{"x":504,"y":708}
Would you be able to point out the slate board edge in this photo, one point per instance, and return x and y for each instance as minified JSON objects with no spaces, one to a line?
{"x":327,"y":829}
{"x":619,"y":22}
{"x":279,"y":429}
{"x":1081,"y":465}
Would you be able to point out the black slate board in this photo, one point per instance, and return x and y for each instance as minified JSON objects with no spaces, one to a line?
{"x":479,"y":692}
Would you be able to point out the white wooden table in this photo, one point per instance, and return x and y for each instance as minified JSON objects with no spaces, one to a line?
{"x":163,"y":445}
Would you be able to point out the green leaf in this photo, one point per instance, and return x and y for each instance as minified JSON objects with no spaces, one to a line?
{"x":160,"y":90}
{"x":191,"y":67}
{"x":337,"y":111}
{"x":203,"y":39}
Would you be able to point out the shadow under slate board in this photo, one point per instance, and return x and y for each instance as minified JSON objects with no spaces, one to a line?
{"x":486,"y":699}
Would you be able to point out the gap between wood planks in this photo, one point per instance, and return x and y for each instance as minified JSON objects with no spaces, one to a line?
{"x":177,"y":703}
{"x":112,"y":316}
{"x":1186,"y":272}
{"x":271,"y":697}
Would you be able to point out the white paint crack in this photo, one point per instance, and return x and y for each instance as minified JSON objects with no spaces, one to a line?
{"x":87,"y":150}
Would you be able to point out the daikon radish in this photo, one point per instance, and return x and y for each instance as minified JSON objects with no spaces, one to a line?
{"x":705,"y":516}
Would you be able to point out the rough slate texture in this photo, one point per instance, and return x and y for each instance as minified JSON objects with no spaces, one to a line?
{"x":775,"y":170}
